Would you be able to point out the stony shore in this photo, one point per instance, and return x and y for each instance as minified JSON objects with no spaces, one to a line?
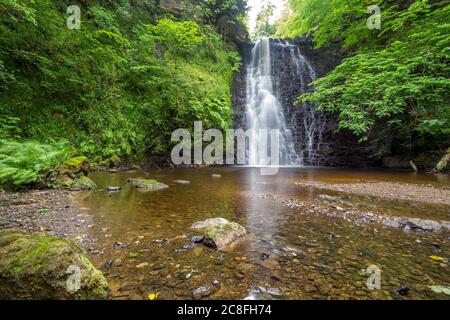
{"x":389,"y":190}
{"x":51,"y":212}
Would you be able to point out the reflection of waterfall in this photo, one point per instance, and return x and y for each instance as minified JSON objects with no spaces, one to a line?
{"x":264,"y":110}
{"x":277,"y":74}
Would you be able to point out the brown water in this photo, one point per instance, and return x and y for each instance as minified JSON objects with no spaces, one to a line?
{"x":291,"y":254}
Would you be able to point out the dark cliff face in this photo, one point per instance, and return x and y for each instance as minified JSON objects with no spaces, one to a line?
{"x":295,"y":66}
{"x":239,"y":88}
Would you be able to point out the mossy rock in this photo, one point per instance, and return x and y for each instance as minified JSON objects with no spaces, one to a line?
{"x":148,"y":184}
{"x":76,"y":166}
{"x":64,"y":182}
{"x":114,"y":162}
{"x":219,"y":233}
{"x":41,"y":267}
{"x":82,"y":184}
{"x":221,"y":236}
{"x":76,"y":161}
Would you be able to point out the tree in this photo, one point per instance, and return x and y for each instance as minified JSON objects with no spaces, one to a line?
{"x":264,"y":28}
{"x":393,"y":88}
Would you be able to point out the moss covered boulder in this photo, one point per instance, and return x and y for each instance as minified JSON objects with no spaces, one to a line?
{"x":82,"y":184}
{"x":147,"y":184}
{"x":76,"y":166}
{"x":219,"y":233}
{"x":43,"y":267}
{"x":73,"y":175}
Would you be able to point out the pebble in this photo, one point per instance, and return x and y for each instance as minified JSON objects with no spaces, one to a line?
{"x":310,"y":288}
{"x":271,"y":264}
{"x":276,"y":275}
{"x":197,"y":251}
{"x":142,"y":265}
{"x":203,"y":292}
{"x":117,"y":262}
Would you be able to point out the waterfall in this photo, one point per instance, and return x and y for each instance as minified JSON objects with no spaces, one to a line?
{"x":277,"y":74}
{"x":307,"y":122}
{"x":264,"y":110}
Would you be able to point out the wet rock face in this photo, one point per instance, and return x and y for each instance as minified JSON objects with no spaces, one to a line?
{"x":47,"y":268}
{"x":239,"y":89}
{"x":333,"y":149}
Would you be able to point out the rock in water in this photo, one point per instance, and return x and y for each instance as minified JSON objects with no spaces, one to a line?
{"x":426,"y":225}
{"x":113,"y":189}
{"x":219,"y":233}
{"x":148,"y":184}
{"x":217,"y":176}
{"x":219,"y":237}
{"x":46,"y":268}
{"x":402,"y":291}
{"x":210,"y":222}
{"x":203,"y":292}
{"x":182,"y":181}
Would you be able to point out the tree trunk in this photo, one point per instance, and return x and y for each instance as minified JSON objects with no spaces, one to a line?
{"x":443,"y":163}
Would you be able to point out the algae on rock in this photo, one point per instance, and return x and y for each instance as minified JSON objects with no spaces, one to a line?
{"x":148,"y":184}
{"x":40,"y":267}
{"x":219,"y":233}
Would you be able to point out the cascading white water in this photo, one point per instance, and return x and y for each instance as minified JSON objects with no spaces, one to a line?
{"x":313,"y":123}
{"x":264,"y":110}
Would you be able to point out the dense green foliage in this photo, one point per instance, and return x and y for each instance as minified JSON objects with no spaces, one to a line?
{"x":394,"y":87}
{"x":264,"y":28}
{"x":26,"y":162}
{"x":117,"y":87}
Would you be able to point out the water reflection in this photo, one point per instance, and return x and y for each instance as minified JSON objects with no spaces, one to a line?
{"x":302,"y":255}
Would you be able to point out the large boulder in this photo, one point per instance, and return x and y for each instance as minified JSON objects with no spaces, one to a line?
{"x":41,"y":267}
{"x":218,"y":233}
{"x":209,"y":222}
{"x":76,"y":166}
{"x":73,"y":175}
{"x":82,"y":184}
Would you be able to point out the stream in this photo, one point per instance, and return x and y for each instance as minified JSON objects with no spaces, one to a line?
{"x":143,"y":238}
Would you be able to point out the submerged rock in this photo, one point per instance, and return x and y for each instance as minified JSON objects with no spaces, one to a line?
{"x":148,"y":184}
{"x":113,"y":189}
{"x":403,"y":290}
{"x":44,"y":267}
{"x":426,"y":225}
{"x":219,"y":233}
{"x":182,"y":181}
{"x":204,"y":291}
